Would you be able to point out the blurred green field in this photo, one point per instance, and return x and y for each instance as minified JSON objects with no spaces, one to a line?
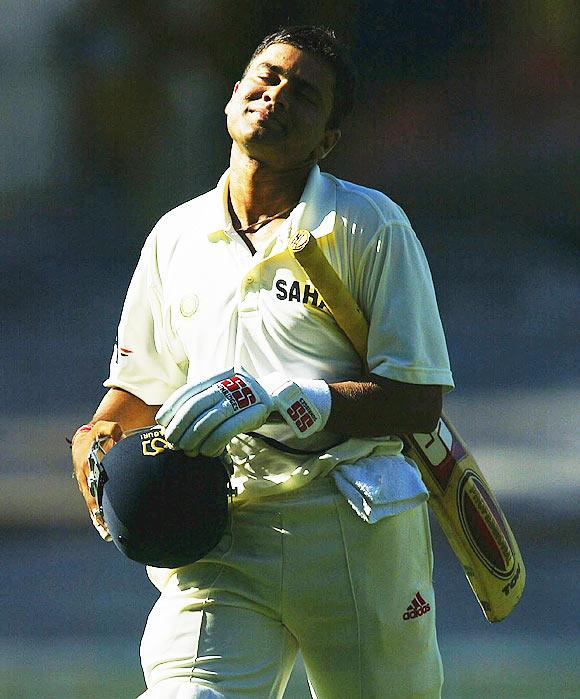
{"x":522,"y":669}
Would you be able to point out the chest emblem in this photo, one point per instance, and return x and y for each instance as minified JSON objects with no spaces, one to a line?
{"x":302,"y":293}
{"x":188,"y":305}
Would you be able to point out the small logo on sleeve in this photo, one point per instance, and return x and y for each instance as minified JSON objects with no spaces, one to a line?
{"x":418,"y":607}
{"x":121,"y":351}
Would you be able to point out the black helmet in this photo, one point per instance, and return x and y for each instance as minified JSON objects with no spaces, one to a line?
{"x":162,"y":508}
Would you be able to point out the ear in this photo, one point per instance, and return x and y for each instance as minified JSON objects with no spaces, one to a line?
{"x":331,"y":138}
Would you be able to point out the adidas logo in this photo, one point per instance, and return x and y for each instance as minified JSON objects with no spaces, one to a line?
{"x":418,"y":607}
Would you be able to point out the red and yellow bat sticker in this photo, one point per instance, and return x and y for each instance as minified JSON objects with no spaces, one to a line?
{"x":484,"y":525}
{"x":441,"y":451}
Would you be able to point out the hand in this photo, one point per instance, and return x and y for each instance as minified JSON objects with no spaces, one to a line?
{"x":81,"y":445}
{"x":204,"y":417}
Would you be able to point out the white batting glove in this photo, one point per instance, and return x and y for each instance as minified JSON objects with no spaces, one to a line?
{"x":304,"y":404}
{"x":204,"y":417}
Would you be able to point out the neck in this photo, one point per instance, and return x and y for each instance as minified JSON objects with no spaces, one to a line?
{"x":258,"y":191}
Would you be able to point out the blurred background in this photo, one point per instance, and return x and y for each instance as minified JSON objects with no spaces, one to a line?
{"x":111,"y":113}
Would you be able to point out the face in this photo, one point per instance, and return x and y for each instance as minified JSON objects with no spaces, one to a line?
{"x":279,"y":111}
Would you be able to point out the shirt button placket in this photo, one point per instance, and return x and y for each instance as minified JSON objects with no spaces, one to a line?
{"x":248,"y":291}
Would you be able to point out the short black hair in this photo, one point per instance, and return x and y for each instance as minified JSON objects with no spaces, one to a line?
{"x":322,"y":43}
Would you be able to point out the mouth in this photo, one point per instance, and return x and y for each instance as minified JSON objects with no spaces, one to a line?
{"x":267,"y":116}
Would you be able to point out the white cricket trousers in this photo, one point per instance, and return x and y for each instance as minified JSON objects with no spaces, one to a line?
{"x":300,"y":571}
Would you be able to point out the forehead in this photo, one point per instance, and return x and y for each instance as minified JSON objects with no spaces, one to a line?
{"x":293,"y":62}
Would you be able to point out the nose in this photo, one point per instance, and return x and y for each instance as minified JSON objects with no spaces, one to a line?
{"x":277,"y":95}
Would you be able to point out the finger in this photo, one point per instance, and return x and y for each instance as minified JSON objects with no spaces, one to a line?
{"x":245,"y":421}
{"x":108,"y":433}
{"x":173,"y":404}
{"x":179,"y":397}
{"x":190,"y":412}
{"x":103,"y":428}
{"x":114,"y":434}
{"x":90,"y":501}
{"x":205,"y":425}
{"x":81,"y":472}
{"x":100,"y":525}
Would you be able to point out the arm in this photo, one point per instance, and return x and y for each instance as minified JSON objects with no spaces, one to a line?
{"x":126,"y":409}
{"x":382,"y":406}
{"x":118,"y":412}
{"x":405,"y":310}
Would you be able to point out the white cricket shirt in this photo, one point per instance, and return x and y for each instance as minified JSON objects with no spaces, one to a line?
{"x":199,"y":302}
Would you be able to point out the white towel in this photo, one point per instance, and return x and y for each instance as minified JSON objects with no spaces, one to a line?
{"x":380,"y":486}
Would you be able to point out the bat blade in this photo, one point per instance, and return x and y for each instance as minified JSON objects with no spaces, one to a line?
{"x":471,"y":518}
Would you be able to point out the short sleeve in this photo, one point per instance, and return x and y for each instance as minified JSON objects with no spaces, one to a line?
{"x":406,"y":340}
{"x":144,"y":362}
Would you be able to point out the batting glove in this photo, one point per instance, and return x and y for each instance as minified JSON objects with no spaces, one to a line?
{"x":204,"y":417}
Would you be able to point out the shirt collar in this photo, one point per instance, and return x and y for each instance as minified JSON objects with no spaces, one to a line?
{"x":219,"y":219}
{"x":315,"y":212}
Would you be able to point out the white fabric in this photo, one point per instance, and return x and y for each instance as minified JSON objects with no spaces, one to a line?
{"x":380,"y":486}
{"x":199,"y":302}
{"x":299,"y":570}
{"x":179,"y":690}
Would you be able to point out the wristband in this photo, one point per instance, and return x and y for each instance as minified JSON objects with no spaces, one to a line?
{"x":305,"y":404}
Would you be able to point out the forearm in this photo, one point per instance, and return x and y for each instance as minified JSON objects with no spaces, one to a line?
{"x":126,"y":409}
{"x":381,"y":406}
{"x":118,"y":412}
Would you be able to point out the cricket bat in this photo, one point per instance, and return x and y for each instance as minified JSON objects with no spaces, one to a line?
{"x":460,"y":497}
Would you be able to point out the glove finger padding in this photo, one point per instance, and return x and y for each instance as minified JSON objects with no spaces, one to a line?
{"x":179,"y":397}
{"x":194,"y":411}
{"x":246,"y":421}
{"x":192,"y":414}
{"x":203,"y":426}
{"x":305,"y":404}
{"x":204,"y":417}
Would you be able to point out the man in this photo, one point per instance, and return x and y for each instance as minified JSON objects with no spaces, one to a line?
{"x":216,"y":291}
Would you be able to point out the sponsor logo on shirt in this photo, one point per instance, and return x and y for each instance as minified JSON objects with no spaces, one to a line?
{"x":302,"y":293}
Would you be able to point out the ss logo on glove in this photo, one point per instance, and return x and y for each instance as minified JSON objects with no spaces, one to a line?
{"x":237,"y":392}
{"x":203,"y":417}
{"x":300,"y":415}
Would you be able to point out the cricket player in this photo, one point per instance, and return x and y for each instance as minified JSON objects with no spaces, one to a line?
{"x":225,"y":341}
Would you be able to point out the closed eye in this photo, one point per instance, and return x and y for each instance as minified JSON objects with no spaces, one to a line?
{"x":268,"y":74}
{"x":268,"y":79}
